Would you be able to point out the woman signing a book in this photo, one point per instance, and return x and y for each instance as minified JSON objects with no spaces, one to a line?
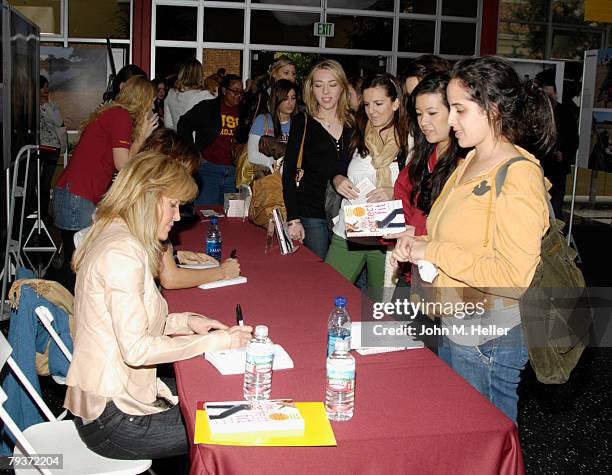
{"x":122,"y":410}
{"x":380,"y":145}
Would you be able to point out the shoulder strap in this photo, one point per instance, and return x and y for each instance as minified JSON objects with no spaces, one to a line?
{"x":500,"y":178}
{"x":301,"y":154}
{"x":266,"y":128}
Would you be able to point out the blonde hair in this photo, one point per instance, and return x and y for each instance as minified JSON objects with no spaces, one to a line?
{"x":279,"y":63}
{"x":135,"y":197}
{"x":136,"y":96}
{"x":190,"y":76}
{"x":334,"y":67}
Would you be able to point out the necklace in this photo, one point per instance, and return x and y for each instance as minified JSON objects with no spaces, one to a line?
{"x":325,"y":122}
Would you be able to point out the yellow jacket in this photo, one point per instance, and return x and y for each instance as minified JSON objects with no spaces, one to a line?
{"x":484,"y":242}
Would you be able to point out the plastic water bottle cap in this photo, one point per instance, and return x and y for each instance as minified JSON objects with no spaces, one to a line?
{"x":261,"y":331}
{"x":341,"y":345}
{"x":214,"y":220}
{"x":340,"y":302}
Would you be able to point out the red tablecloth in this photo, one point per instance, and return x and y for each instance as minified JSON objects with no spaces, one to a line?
{"x":413,"y":414}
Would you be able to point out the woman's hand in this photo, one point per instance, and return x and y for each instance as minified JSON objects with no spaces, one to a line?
{"x":409,"y":232}
{"x":383,"y":193}
{"x":409,"y":249}
{"x":201,"y":325}
{"x":345,"y":187}
{"x":148,"y":126}
{"x":190,"y":257}
{"x":296,"y":231}
{"x":240,"y":335}
{"x":230,"y":268}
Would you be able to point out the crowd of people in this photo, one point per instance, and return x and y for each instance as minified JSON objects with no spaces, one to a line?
{"x":434,"y":139}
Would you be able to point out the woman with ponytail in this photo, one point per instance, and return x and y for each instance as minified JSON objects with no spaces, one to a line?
{"x":485,"y":243}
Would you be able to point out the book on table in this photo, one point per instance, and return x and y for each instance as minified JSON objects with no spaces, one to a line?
{"x":274,"y":415}
{"x":374,"y":219}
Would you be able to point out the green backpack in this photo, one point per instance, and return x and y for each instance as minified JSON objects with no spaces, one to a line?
{"x":555,"y":311}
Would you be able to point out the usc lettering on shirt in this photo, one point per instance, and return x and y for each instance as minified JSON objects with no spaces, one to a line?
{"x":220,"y":150}
{"x":228,"y":124}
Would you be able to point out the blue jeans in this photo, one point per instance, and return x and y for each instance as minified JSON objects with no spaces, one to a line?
{"x":215,"y":180}
{"x":71,"y":212}
{"x":115,"y":434}
{"x":493,"y":368}
{"x":316,"y":235}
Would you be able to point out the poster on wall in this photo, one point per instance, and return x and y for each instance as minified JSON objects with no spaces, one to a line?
{"x":77,"y":78}
{"x":595,"y":149}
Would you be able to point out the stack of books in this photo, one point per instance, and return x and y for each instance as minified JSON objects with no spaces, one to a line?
{"x":234,"y":205}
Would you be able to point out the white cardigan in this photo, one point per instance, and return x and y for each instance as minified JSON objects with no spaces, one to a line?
{"x":177,"y":103}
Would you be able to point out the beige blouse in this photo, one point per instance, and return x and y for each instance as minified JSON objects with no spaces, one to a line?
{"x":123,"y":331}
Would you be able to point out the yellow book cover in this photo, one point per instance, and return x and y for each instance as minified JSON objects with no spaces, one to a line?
{"x":317,"y":431}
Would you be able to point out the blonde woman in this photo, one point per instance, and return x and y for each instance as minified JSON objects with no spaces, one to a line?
{"x":325,"y":151}
{"x":111,"y":136}
{"x":122,"y":410}
{"x":188,"y":90}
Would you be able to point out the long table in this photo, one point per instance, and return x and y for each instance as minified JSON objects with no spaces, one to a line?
{"x":413,"y":414}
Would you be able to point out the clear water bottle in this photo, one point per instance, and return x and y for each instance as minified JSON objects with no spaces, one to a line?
{"x":340,"y":383}
{"x":213,"y":239}
{"x":258,"y":369}
{"x":338,"y":325}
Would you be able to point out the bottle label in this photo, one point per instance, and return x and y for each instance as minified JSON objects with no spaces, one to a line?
{"x":341,"y":375}
{"x":331,"y":341}
{"x":213,"y":248}
{"x":259,"y":363}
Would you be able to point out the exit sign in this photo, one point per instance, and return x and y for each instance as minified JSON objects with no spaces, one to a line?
{"x":324,"y":29}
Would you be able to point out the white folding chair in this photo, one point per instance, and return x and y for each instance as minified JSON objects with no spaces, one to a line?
{"x":57,"y":437}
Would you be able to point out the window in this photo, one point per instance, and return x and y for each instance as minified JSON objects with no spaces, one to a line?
{"x":458,"y":38}
{"x":525,"y":30}
{"x":360,"y":32}
{"x":223,"y":25}
{"x":47,"y":14}
{"x":168,"y":60}
{"x":87,"y":19}
{"x":380,"y":5}
{"x":417,"y":36}
{"x":425,"y":7}
{"x":464,"y":8}
{"x":176,"y":23}
{"x":283,"y":28}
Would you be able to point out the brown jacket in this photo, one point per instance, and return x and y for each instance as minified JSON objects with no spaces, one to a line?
{"x":122,"y":331}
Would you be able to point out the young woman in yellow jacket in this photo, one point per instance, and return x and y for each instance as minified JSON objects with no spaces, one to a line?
{"x":486,"y":246}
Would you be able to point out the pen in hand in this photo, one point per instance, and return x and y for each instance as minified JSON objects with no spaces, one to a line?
{"x":233,"y":254}
{"x":239,"y":319}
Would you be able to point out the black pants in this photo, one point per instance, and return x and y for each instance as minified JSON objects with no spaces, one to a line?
{"x":122,"y":436}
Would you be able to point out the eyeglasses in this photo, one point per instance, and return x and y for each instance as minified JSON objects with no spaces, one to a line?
{"x":237,"y":92}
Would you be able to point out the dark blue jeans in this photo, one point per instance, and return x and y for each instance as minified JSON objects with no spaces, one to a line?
{"x":316,"y":235}
{"x":122,"y":436}
{"x":216,"y":180}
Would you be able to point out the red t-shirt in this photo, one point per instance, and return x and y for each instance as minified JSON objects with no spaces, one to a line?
{"x":220,"y":150}
{"x":90,"y":170}
{"x":402,"y":189}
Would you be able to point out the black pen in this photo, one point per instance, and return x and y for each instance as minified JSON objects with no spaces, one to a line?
{"x":233,"y":253}
{"x":239,"y":319}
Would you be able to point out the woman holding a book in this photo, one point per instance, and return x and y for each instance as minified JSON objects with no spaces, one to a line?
{"x":320,"y":139}
{"x":484,"y":241}
{"x":122,"y":410}
{"x":380,"y":151}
